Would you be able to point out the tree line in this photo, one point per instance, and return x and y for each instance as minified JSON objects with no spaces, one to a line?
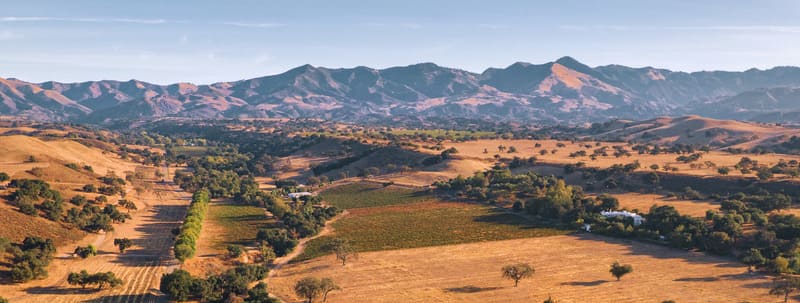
{"x":186,"y":242}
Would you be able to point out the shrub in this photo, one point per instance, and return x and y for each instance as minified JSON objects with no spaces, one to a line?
{"x":85,"y":252}
{"x":89,"y":188}
{"x":27,"y":208}
{"x":618,"y":270}
{"x":78,"y":200}
{"x":123,"y":244}
{"x":235,"y":251}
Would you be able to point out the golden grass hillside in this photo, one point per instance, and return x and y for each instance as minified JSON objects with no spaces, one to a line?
{"x":570,"y":268}
{"x":697,"y":130}
{"x":487,"y":149}
{"x":17,"y":149}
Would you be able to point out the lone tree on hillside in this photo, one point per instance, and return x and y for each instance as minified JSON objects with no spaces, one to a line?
{"x":308,"y":288}
{"x":518,"y":272}
{"x":123,"y":244}
{"x":128,"y":205}
{"x":326,"y":286}
{"x":784,"y":286}
{"x":85,"y":252}
{"x":618,"y":270}
{"x":342,"y":248}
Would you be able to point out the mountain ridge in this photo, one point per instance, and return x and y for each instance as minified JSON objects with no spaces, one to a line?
{"x":564,"y":90}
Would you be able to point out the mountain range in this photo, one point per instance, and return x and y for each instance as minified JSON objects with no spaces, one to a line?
{"x":562,"y":91}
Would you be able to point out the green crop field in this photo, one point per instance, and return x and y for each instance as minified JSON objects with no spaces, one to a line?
{"x":358,"y":195}
{"x":240,"y":223}
{"x":427,"y":224}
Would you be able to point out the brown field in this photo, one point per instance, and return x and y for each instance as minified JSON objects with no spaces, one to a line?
{"x":643,"y":202}
{"x":140,"y":267}
{"x":15,"y":150}
{"x":525,"y":148}
{"x":570,"y":268}
{"x":16,"y":226}
{"x":700,"y":130}
{"x":51,"y":158}
{"x":439,"y":172}
{"x":161,"y":208}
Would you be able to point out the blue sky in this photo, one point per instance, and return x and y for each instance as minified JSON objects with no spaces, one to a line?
{"x":169,"y":41}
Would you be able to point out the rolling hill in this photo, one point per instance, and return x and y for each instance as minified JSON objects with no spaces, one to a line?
{"x":564,"y":90}
{"x":696,"y":130}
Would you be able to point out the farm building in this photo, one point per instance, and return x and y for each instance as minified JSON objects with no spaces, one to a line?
{"x":637,"y":219}
{"x":300,"y":194}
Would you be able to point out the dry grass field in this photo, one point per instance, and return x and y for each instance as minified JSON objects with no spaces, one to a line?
{"x":439,"y":172}
{"x":526,"y":148}
{"x":17,"y":149}
{"x":643,"y":202}
{"x":16,"y":226}
{"x":140,"y":267}
{"x":570,"y":268}
{"x":160,"y":209}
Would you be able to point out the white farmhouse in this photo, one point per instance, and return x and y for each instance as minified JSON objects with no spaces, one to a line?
{"x":300,"y":194}
{"x":637,"y":219}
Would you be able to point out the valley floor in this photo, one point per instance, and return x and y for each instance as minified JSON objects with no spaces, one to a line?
{"x":570,"y":268}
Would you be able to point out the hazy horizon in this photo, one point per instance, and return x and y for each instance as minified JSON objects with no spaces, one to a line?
{"x":205,"y":42}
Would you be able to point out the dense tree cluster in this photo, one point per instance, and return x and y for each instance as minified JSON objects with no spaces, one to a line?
{"x":226,"y":287}
{"x":30,"y":258}
{"x":29,"y":192}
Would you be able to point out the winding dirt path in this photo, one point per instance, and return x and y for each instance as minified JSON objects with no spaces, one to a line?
{"x":301,"y":246}
{"x":140,"y":267}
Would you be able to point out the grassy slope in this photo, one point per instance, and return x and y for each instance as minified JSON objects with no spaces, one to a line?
{"x":239,"y":223}
{"x":395,"y":218}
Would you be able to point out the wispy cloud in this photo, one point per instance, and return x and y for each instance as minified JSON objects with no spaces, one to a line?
{"x":93,"y":20}
{"x":258,"y":25}
{"x":733,"y":28}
